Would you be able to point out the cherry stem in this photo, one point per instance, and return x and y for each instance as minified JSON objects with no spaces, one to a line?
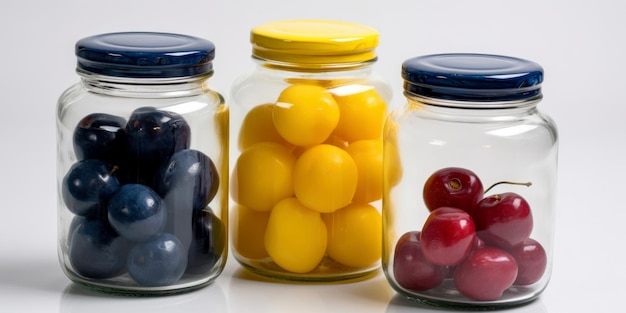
{"x":114,"y":169}
{"x":509,"y":183}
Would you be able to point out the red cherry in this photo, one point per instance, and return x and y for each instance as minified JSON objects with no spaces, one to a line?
{"x":453,"y":187}
{"x":448,"y":236}
{"x":410,"y":236}
{"x":410,"y":269}
{"x":485,"y":274}
{"x":504,"y":220}
{"x":532,"y":261}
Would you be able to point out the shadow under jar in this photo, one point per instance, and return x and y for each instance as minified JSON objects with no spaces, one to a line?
{"x":142,"y":165}
{"x":307,"y":152}
{"x":470,"y":174}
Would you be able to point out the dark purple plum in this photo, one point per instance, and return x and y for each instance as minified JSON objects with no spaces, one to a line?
{"x":95,"y":250}
{"x":137,"y":212}
{"x":99,"y":136}
{"x":188,"y":174}
{"x":158,"y":262}
{"x":77,"y":220}
{"x":207,"y":245}
{"x":87,"y":186}
{"x":187,"y":183}
{"x":152,"y":137}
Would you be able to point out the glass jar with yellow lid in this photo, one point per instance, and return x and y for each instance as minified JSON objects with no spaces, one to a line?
{"x":306,"y":158}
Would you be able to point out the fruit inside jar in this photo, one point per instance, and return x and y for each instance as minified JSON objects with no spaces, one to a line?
{"x":136,"y":188}
{"x":322,"y":159}
{"x":481,"y":243}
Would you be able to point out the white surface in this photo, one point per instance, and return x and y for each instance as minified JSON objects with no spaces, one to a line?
{"x":581,"y":45}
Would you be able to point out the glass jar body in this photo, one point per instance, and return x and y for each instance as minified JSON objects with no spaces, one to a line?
{"x":285,"y":218}
{"x":425,"y":260}
{"x":142,"y":176}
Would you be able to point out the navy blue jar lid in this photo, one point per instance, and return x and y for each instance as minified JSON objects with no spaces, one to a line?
{"x":145,"y":55}
{"x":472,"y":77}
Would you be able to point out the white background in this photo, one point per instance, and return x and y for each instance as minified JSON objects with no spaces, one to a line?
{"x":581,"y":45}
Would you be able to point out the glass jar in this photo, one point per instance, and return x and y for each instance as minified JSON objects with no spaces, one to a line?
{"x":470,"y":176}
{"x":142,"y":165}
{"x":307,"y":152}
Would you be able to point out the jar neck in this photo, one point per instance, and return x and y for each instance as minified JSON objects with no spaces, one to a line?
{"x":321,"y":67}
{"x":473,"y":110}
{"x":333,"y":75}
{"x":144,"y":87}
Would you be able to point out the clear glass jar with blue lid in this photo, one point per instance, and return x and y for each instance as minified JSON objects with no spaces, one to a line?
{"x":142,"y":165}
{"x":470,"y":177}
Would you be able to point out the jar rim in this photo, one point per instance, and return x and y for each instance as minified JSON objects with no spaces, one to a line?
{"x":145,"y":55}
{"x":472,"y":77}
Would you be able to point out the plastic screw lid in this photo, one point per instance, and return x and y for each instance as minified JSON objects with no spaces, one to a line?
{"x":145,"y":55}
{"x":314,"y":42}
{"x":472,"y":77}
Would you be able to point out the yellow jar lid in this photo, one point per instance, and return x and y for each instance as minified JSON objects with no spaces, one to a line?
{"x":311,"y":42}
